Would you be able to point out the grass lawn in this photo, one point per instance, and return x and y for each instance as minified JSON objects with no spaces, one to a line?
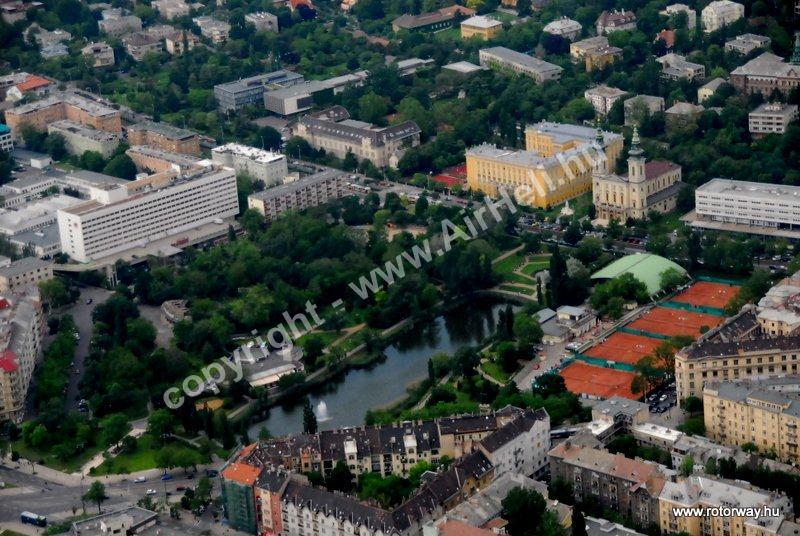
{"x":580,"y":205}
{"x":143,"y":458}
{"x":495,"y":371}
{"x":502,"y":16}
{"x":507,"y":265}
{"x":519,"y":278}
{"x":451,"y":34}
{"x":11,"y":533}
{"x":536,"y":266}
{"x":47,"y":458}
{"x":327,"y":337}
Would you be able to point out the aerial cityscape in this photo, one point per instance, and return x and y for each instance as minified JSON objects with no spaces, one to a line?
{"x":400,"y":268}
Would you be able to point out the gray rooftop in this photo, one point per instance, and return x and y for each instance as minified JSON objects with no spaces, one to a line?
{"x":23,"y":265}
{"x":163,"y":129}
{"x":299,"y":184}
{"x":750,"y":190}
{"x":512,"y":56}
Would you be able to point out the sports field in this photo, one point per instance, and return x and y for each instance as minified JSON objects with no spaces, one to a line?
{"x":598,"y":381}
{"x":672,"y":322}
{"x":708,"y":294}
{"x":624,"y":348}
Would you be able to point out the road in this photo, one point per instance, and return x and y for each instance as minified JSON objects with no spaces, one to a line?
{"x":82,"y":314}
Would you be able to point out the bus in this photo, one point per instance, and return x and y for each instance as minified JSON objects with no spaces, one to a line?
{"x":33,"y":519}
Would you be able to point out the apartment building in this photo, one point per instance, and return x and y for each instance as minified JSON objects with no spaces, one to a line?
{"x":746,"y":43}
{"x":708,"y":89}
{"x":101,"y":54}
{"x":648,"y":186}
{"x":302,"y":194}
{"x":777,"y":313}
{"x":630,"y":487}
{"x":503,"y":58}
{"x":6,"y":140}
{"x":249,"y":91}
{"x":78,"y":139}
{"x":737,"y":350}
{"x":771,"y":118}
{"x":557,"y":164}
{"x":171,"y":9}
{"x":334,"y":131}
{"x":521,"y":445}
{"x":80,"y":107}
{"x":719,"y":14}
{"x":641,"y":106}
{"x":706,"y":493}
{"x":118,"y":26}
{"x":263,"y":21}
{"x":24,"y":272}
{"x":675,"y":9}
{"x":122,"y":216}
{"x":180,"y":42}
{"x":165,"y":137}
{"x":30,"y":87}
{"x":764,"y":412}
{"x":603,"y":97}
{"x":151,"y":160}
{"x":564,"y":27}
{"x":45,"y":38}
{"x":750,"y":207}
{"x":215,"y":30}
{"x":676,"y":67}
{"x":259,"y":164}
{"x":579,"y":49}
{"x":21,"y":332}
{"x":766,"y":73}
{"x":601,"y":57}
{"x":139,"y":44}
{"x":615,"y":21}
{"x":482,"y":27}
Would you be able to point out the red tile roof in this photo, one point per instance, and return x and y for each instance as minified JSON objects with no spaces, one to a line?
{"x":668,"y":36}
{"x":8,"y":361}
{"x":459,"y":528}
{"x":32,"y":82}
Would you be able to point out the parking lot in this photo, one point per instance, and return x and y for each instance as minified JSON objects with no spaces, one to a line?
{"x":663,"y":399}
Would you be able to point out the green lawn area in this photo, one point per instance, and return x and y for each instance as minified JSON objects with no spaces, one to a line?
{"x":519,"y":278}
{"x":507,"y":265}
{"x":450,"y":34}
{"x":580,"y":205}
{"x":47,"y":458}
{"x":327,"y":337}
{"x":536,"y":266}
{"x":144,"y":458}
{"x":519,"y":289}
{"x":495,"y":371}
{"x":11,"y":533}
{"x":502,"y":17}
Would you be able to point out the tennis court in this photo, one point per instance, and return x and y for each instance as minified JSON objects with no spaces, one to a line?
{"x":672,"y":322}
{"x":623,"y":348}
{"x":598,"y":381}
{"x":706,"y":293}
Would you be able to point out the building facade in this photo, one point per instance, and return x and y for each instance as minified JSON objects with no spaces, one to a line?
{"x":719,"y":14}
{"x":101,"y":54}
{"x":771,"y":118}
{"x":78,"y":139}
{"x":262,"y":165}
{"x":263,"y":21}
{"x":6,"y":140}
{"x":648,"y":186}
{"x":249,"y":91}
{"x":482,"y":27}
{"x":767,"y":73}
{"x":124,"y":216}
{"x":72,"y":105}
{"x":637,"y":108}
{"x":24,"y":272}
{"x":165,"y":137}
{"x":333,"y":131}
{"x":615,"y":21}
{"x":564,"y":27}
{"x":603,"y":97}
{"x":504,"y":58}
{"x":302,"y":194}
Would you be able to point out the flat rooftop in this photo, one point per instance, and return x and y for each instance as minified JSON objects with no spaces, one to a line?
{"x":253,"y":153}
{"x":163,"y":129}
{"x":751,"y":190}
{"x":290,"y":187}
{"x":71,"y":127}
{"x":519,"y":58}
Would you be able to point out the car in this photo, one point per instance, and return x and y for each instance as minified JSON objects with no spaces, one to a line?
{"x":180,"y":488}
{"x":150,"y":492}
{"x":89,"y":301}
{"x":77,"y":336}
{"x":662,"y":398}
{"x":139,"y":479}
{"x":190,"y":476}
{"x":166,"y":477}
{"x":536,"y":366}
{"x":211,"y":473}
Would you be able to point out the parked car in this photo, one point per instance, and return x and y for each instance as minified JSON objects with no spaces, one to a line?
{"x":166,"y":477}
{"x":151,"y":492}
{"x":139,"y":479}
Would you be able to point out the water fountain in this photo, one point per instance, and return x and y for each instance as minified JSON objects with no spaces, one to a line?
{"x":322,"y":412}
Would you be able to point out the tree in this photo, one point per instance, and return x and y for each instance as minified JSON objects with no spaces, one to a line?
{"x":115,"y":427}
{"x":55,"y":292}
{"x":524,"y":8}
{"x":578,"y":522}
{"x":121,"y":166}
{"x":749,"y":447}
{"x":309,"y":418}
{"x":687,"y":466}
{"x":527,"y":330}
{"x":573,"y":233}
{"x":340,"y":478}
{"x":524,"y":510}
{"x":267,"y":138}
{"x":55,"y":145}
{"x":711,"y":466}
{"x":692,"y":405}
{"x":671,"y":279}
{"x":96,"y":494}
{"x":160,"y":424}
{"x":372,"y":108}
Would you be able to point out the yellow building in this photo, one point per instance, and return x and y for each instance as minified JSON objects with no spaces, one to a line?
{"x":556,"y":166}
{"x":708,"y":495}
{"x":480,"y":26}
{"x":764,"y":412}
{"x":648,"y":186}
{"x":599,"y":58}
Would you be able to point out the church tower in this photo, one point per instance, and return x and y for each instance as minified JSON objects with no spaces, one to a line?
{"x":636,"y":159}
{"x":796,"y":55}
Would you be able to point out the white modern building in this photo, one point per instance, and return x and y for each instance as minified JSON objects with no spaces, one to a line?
{"x":720,"y":13}
{"x":751,"y":206}
{"x":771,"y":118}
{"x":521,"y":446}
{"x":504,"y":58}
{"x":123,"y":216}
{"x":257,"y":163}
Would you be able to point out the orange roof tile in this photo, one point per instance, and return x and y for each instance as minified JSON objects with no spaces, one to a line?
{"x":241,"y":473}
{"x":459,"y":528}
{"x":32,"y":82}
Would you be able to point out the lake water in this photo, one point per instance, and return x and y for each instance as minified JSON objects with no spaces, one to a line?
{"x":349,"y":397}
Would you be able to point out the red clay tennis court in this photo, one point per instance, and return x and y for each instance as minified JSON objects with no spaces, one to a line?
{"x":672,"y":322}
{"x":624,"y":348}
{"x":708,"y":294}
{"x":598,"y":381}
